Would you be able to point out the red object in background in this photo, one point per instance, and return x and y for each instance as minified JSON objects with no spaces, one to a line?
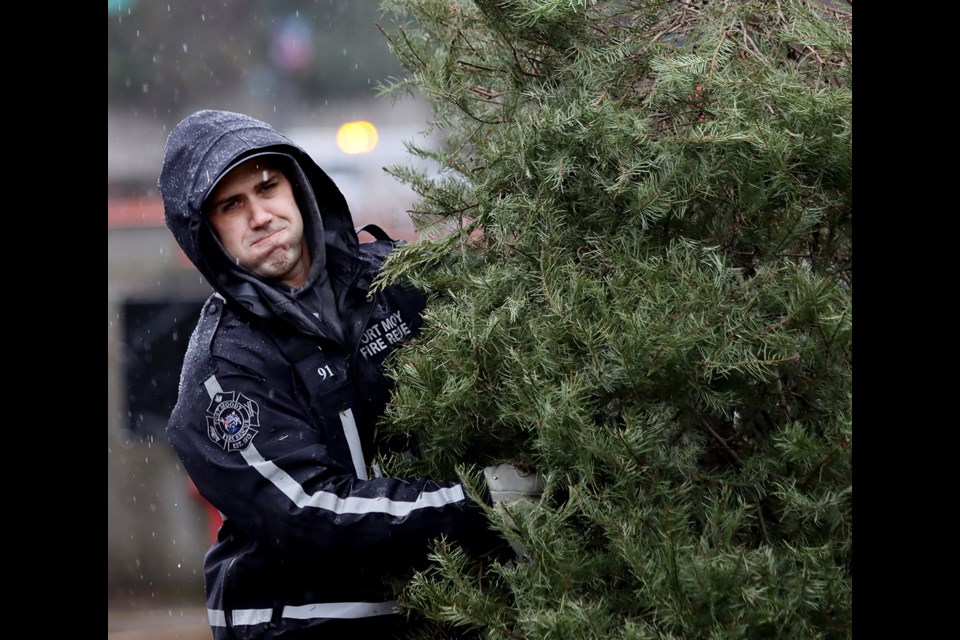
{"x":134,"y":212}
{"x":214,"y":519}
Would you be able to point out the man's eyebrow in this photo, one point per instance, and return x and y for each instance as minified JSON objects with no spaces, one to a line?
{"x":266,"y":175}
{"x":213,"y":204}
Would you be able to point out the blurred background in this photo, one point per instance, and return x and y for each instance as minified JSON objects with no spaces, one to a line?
{"x":312,"y":69}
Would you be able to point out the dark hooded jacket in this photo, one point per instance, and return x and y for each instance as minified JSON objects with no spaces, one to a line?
{"x":279,"y":397}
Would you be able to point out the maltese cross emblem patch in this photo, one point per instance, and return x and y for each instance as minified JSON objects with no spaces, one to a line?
{"x":232,"y":420}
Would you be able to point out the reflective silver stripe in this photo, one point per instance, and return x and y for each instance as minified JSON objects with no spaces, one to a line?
{"x":216,"y":618}
{"x":332,"y":502}
{"x":246,"y":617}
{"x":353,"y":441}
{"x":242,"y":617}
{"x":341,"y":610}
{"x":212,"y":385}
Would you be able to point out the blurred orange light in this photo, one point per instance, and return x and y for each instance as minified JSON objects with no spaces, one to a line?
{"x":358,"y":136}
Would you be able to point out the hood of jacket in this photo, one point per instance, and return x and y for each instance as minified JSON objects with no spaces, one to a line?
{"x":200,"y":150}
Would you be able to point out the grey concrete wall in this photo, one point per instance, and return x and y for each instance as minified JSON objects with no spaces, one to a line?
{"x":156,"y":533}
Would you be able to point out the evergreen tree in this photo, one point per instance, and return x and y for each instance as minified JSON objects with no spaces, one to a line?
{"x":639,"y":254}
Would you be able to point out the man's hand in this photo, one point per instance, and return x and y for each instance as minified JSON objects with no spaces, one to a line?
{"x":508,"y":483}
{"x":521,"y":490}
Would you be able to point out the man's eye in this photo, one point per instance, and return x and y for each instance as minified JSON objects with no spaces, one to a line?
{"x":268,"y":187}
{"x":229,"y":206}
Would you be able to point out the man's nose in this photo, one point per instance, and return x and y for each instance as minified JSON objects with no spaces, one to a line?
{"x":259,"y":215}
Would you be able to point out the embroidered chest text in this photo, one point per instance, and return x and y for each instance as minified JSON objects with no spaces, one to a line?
{"x":388,"y":331}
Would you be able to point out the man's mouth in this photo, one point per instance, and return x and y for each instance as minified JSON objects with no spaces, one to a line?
{"x":266,"y":238}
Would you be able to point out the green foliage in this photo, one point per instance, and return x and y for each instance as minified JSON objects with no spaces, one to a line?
{"x":639,"y":255}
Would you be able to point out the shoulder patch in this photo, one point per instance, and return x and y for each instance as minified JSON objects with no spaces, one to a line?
{"x":232,"y":420}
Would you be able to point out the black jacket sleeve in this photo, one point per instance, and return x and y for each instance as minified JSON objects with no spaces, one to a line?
{"x":287,"y":482}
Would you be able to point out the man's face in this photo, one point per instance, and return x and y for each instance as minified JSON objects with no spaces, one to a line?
{"x":253,"y":212}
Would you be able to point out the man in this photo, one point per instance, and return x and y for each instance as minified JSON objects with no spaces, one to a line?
{"x":281,"y":388}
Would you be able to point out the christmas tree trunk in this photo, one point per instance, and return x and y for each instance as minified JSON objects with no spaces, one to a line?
{"x":638,"y":250}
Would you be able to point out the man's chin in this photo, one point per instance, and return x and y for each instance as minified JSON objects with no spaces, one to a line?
{"x":273,"y":269}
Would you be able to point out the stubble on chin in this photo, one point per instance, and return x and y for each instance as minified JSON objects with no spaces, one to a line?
{"x":277,"y":264}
